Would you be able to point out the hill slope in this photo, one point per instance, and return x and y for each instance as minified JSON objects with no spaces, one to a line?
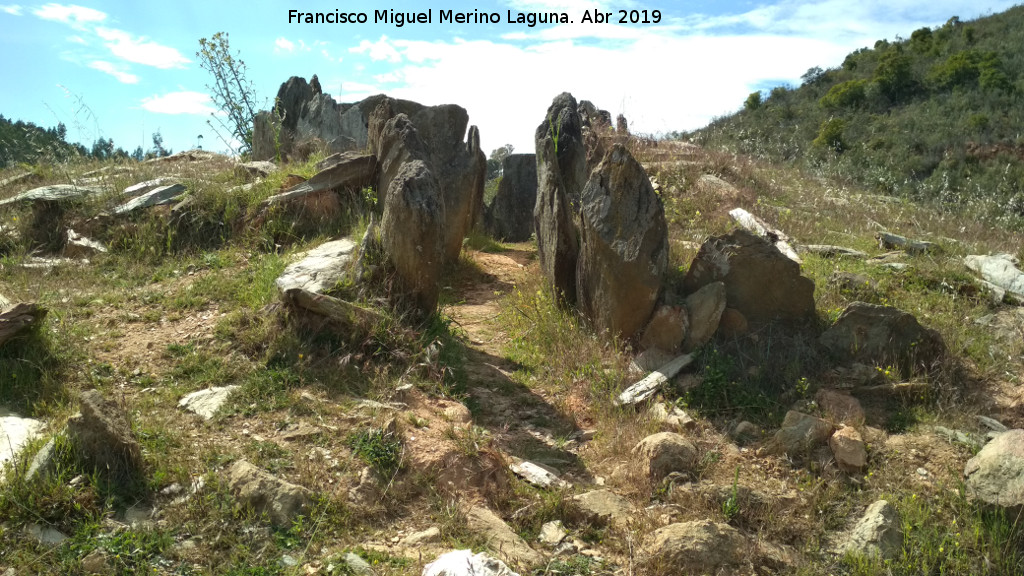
{"x":937,"y":116}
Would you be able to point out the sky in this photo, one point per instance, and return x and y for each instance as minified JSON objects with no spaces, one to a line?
{"x":125,"y":70}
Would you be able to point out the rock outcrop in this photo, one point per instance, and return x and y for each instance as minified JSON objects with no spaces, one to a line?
{"x":882,"y":336}
{"x":623,"y":251}
{"x":281,"y":501}
{"x":996,"y":474}
{"x":760,"y":282}
{"x":878,"y":533}
{"x":510,"y":215}
{"x":697,"y":547}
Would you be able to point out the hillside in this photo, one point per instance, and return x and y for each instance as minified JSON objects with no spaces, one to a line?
{"x":261,"y":430}
{"x":938,"y":116}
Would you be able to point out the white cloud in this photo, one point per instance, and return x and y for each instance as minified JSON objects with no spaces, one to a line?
{"x":108,"y":68}
{"x":141,"y":50}
{"x":12,"y":9}
{"x":379,"y":50}
{"x":71,"y":14}
{"x":284,"y":45}
{"x":77,"y":40}
{"x":184,"y":102}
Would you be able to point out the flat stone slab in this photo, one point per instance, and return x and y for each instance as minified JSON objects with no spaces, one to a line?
{"x":147,"y":186}
{"x":155,"y":197}
{"x":1000,"y":270}
{"x":15,"y":433}
{"x":319,"y":269}
{"x":536,"y":474}
{"x":206,"y":402}
{"x":830,"y":251}
{"x":54,"y":193}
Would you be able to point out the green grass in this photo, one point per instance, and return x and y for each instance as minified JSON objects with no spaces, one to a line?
{"x":379,"y":449}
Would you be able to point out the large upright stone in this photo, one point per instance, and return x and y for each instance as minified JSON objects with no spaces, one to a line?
{"x":760,"y":282}
{"x":561,"y":176}
{"x":510,"y":215}
{"x":623,"y":246}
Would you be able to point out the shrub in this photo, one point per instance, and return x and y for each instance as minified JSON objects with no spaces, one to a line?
{"x":830,"y":135}
{"x":845,"y":95}
{"x":753,"y":101}
{"x":895,"y":74}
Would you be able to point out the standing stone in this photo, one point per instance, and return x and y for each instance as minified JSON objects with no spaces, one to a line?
{"x":510,"y":215}
{"x":561,"y":175}
{"x":882,"y":336}
{"x":760,"y":282}
{"x":705,"y":310}
{"x":103,"y":437}
{"x":623,"y":248}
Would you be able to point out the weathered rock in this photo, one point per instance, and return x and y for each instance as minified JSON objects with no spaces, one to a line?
{"x":78,"y":246}
{"x":412,"y":233}
{"x":878,"y":533}
{"x":841,"y":407}
{"x":282,"y":501}
{"x":829,"y":251}
{"x":705,"y":307}
{"x":894,"y":241}
{"x":255,"y":169}
{"x":207,"y":402}
{"x":653,"y":382}
{"x":761,"y":228}
{"x":367,"y":491}
{"x":697,"y":547}
{"x":650,"y":360}
{"x":552,"y":533}
{"x":673,"y":417}
{"x":46,"y":535}
{"x":465,"y":563}
{"x":561,"y":176}
{"x":882,"y":336}
{"x":17,"y":318}
{"x":97,"y":562}
{"x":853,"y":283}
{"x":605,"y":507}
{"x":536,"y":474}
{"x":431,"y":535}
{"x":760,"y":282}
{"x":1000,"y":270}
{"x":318,"y":270}
{"x":104,"y":438}
{"x":733,"y":323}
{"x":501,"y":538}
{"x":54,"y":193}
{"x":357,"y":565}
{"x":623,"y":251}
{"x":346,"y":171}
{"x":996,"y":474}
{"x":801,"y":433}
{"x":156,"y":197}
{"x":666,"y":329}
{"x":664,"y":453}
{"x":848,"y":449}
{"x":510,"y":215}
{"x":15,"y":433}
{"x":42,"y":463}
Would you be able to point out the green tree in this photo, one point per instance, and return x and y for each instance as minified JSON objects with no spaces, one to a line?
{"x":494,"y":162}
{"x":895,"y":75}
{"x":830,"y":135}
{"x":232,"y":93}
{"x":845,"y":95}
{"x":753,"y":101}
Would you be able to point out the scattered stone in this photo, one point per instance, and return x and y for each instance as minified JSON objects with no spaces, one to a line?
{"x":776,"y":237}
{"x":207,"y":402}
{"x":674,"y":416}
{"x":605,"y":507}
{"x":54,"y":193}
{"x":367,"y":491}
{"x":853,"y":283}
{"x":882,"y":336}
{"x":43,"y":462}
{"x":801,"y":433}
{"x":705,"y":307}
{"x":733,"y":323}
{"x":760,"y":282}
{"x":536,"y":474}
{"x":17,"y":318}
{"x":889,"y":241}
{"x":841,"y":407}
{"x":552,"y":533}
{"x":510,"y":215}
{"x":650,"y":385}
{"x":1007,"y":325}
{"x":992,"y":424}
{"x":664,"y":453}
{"x":156,"y":197}
{"x":96,"y":562}
{"x":561,"y":176}
{"x":431,"y":535}
{"x":848,"y":449}
{"x":282,"y":501}
{"x":45,"y":535}
{"x":725,"y":192}
{"x":996,"y":474}
{"x":143,"y":187}
{"x":78,"y":246}
{"x":695,"y":547}
{"x":318,"y":270}
{"x":746,"y":431}
{"x":650,"y":360}
{"x":666,"y":329}
{"x":623,"y":246}
{"x":358,"y":565}
{"x":829,"y":251}
{"x":500,"y":537}
{"x":255,"y":169}
{"x":464,"y":563}
{"x":104,"y":438}
{"x":878,"y":533}
{"x":1000,"y":270}
{"x":15,"y":433}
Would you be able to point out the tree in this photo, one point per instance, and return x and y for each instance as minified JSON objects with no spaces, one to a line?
{"x":231,"y":92}
{"x":895,"y":74}
{"x":813,"y":75}
{"x":496,"y":159}
{"x":753,"y":101}
{"x":138,"y":155}
{"x":158,"y":146}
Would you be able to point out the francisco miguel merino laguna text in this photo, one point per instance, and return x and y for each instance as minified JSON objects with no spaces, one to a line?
{"x":531,"y":19}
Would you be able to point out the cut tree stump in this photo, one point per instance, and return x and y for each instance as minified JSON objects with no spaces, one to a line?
{"x":650,"y":385}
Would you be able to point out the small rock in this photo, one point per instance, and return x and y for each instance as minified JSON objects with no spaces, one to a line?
{"x":552,"y":533}
{"x":605,"y":507}
{"x":843,"y":408}
{"x":45,"y":535}
{"x":500,"y":537}
{"x":104,"y":438}
{"x":705,"y":307}
{"x":673,"y":416}
{"x":536,"y":474}
{"x":996,"y":474}
{"x":96,"y":562}
{"x":207,"y":402}
{"x":746,"y":431}
{"x":43,"y":461}
{"x":281,"y":500}
{"x":697,"y":547}
{"x":848,"y":449}
{"x":358,"y":565}
{"x":801,"y":433}
{"x":15,"y":433}
{"x":878,"y":533}
{"x":429,"y":536}
{"x":663,"y":453}
{"x":367,"y":491}
{"x":465,"y":563}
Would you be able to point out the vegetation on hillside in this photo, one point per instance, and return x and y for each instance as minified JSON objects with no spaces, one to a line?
{"x":937,"y":116}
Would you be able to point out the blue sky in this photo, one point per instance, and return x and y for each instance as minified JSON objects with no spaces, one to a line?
{"x":124,"y":70}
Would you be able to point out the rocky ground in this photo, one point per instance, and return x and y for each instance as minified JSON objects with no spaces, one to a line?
{"x":179,"y":411}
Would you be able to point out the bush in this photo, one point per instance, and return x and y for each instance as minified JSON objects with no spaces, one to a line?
{"x":845,"y":95}
{"x":895,"y":74}
{"x":830,"y":135}
{"x":753,"y":101}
